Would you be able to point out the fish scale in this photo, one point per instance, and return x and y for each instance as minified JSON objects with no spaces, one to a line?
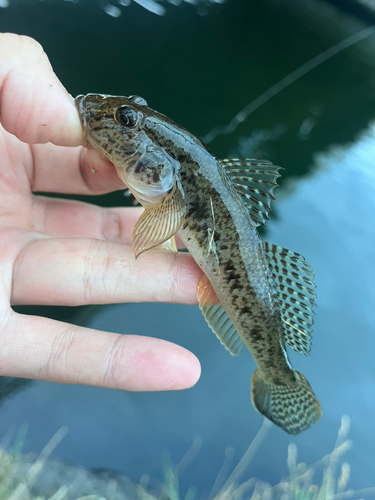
{"x":252,"y":293}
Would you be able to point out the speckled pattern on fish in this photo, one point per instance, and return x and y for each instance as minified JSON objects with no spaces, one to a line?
{"x":252,"y":293}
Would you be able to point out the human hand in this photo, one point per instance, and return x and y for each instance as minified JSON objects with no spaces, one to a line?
{"x":63,"y":252}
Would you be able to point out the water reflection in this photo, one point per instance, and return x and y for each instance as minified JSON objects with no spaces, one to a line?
{"x":327,"y":216}
{"x":259,"y":144}
{"x":153,"y":6}
{"x":285,"y":82}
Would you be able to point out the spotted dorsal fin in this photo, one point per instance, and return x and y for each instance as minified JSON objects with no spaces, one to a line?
{"x":254,"y":181}
{"x":217,"y":318}
{"x":159,"y":223}
{"x":295,"y":285}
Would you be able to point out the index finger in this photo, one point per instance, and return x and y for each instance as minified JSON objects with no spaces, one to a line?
{"x":36,"y":108}
{"x":34,"y":105}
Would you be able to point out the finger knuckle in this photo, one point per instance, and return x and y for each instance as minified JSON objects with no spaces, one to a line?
{"x":175,"y":278}
{"x":111,"y":225}
{"x":113,"y":365}
{"x":97,"y":263}
{"x":56,"y":365}
{"x":168,"y":288}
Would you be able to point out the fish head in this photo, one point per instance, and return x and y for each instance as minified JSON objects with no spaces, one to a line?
{"x":117,"y":127}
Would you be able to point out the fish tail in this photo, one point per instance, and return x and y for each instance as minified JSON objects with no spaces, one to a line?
{"x":293,"y":407}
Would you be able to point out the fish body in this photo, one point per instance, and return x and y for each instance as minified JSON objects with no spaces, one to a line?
{"x":219,"y":233}
{"x":252,"y":293}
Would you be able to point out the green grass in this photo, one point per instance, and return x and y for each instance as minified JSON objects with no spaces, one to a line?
{"x":332,"y":472}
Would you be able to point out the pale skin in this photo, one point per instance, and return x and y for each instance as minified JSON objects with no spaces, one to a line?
{"x":62,"y":252}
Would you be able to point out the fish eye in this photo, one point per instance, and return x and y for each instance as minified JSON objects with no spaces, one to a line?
{"x":126,"y":116}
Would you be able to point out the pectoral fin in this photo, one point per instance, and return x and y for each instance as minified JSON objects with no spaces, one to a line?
{"x":158,"y":224}
{"x":217,"y":318}
{"x":169,"y":245}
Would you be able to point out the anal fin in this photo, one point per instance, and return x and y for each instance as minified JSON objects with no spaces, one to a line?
{"x":217,"y":318}
{"x":206,"y":294}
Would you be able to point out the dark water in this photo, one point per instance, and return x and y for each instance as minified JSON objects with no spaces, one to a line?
{"x":201,"y":70}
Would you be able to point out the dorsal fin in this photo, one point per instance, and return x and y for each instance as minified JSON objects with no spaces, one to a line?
{"x":295,"y":285}
{"x":217,"y":318}
{"x":254,"y":181}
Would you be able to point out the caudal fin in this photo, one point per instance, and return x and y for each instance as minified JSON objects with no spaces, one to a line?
{"x":293,"y":407}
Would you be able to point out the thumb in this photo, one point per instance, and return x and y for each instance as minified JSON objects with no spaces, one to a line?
{"x":34,"y":105}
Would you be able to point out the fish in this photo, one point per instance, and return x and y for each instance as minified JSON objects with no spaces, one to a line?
{"x":252,"y":293}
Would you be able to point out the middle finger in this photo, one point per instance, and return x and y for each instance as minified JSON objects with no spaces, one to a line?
{"x":78,"y":271}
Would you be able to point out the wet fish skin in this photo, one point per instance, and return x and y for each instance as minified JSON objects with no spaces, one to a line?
{"x":186,"y":190}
